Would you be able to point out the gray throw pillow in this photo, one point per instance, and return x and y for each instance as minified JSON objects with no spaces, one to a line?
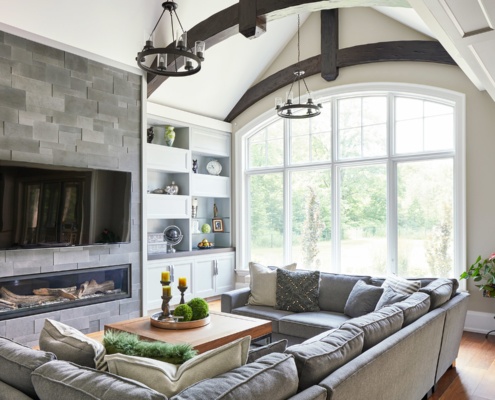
{"x":297,"y":291}
{"x":362,"y":299}
{"x":390,"y":296}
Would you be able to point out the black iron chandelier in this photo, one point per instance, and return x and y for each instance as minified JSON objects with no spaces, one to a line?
{"x":167,"y":61}
{"x":299,"y":110}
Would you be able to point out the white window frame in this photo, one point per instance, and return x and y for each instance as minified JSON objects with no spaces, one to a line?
{"x":459,"y":191}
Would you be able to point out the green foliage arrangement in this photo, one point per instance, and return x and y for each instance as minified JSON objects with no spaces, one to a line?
{"x":483,"y":271}
{"x":199,"y":308}
{"x":183,"y":310}
{"x":131,"y":345}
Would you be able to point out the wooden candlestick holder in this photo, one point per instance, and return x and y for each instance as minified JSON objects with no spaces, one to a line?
{"x":166,"y":307}
{"x":182,"y":290}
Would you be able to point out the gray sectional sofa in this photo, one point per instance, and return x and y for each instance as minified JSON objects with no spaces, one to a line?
{"x":405,"y":348}
{"x":396,"y":352}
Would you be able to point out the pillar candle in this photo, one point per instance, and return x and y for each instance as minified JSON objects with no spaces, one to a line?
{"x":167,"y":291}
{"x":166,"y":276}
{"x":182,"y":281}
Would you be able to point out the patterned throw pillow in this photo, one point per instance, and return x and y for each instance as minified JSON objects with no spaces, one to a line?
{"x":401,"y":285}
{"x":297,"y":291}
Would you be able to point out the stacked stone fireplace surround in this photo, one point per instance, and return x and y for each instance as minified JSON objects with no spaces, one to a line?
{"x":58,"y":108}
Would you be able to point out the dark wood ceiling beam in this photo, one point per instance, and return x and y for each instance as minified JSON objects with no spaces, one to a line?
{"x":250,"y":25}
{"x":329,"y":44}
{"x":224,"y":24}
{"x":416,"y":50}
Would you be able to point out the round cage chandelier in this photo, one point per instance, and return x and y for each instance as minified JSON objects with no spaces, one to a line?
{"x":166,"y":62}
{"x":299,"y":110}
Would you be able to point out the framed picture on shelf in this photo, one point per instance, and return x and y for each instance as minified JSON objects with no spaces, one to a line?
{"x":217,"y":225}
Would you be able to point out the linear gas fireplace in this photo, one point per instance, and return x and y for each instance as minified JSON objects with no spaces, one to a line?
{"x":40,"y":293}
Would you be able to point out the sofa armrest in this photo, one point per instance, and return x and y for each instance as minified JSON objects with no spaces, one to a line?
{"x":312,"y":393}
{"x":234,"y":299}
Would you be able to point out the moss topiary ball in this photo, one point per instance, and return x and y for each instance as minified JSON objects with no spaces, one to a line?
{"x":183,"y":310}
{"x":199,"y":308}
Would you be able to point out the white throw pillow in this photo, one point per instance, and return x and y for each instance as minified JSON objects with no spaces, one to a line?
{"x":69,"y":344}
{"x":263,"y":284}
{"x":401,"y":285}
{"x":170,"y":379}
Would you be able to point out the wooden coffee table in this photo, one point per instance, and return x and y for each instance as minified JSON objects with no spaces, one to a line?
{"x":223,"y":328}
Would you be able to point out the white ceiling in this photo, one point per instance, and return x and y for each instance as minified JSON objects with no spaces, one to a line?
{"x":116,"y":30}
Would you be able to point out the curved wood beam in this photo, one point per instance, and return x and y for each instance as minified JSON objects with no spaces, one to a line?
{"x":415,"y":50}
{"x":224,"y":24}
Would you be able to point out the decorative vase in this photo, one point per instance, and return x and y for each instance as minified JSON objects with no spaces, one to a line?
{"x":150,"y":135}
{"x":169,"y":135}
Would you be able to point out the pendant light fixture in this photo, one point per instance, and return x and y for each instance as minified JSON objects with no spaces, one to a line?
{"x":166,"y":60}
{"x":298,"y":110}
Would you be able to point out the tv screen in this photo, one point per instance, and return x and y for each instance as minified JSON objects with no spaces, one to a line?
{"x":45,"y":206}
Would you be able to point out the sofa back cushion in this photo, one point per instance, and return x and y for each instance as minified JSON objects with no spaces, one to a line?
{"x":414,"y":307}
{"x":378,"y":325}
{"x":65,"y":380}
{"x":272,"y":377}
{"x":69,"y":344}
{"x":17,"y":362}
{"x":170,"y":379}
{"x":335,"y":290}
{"x":440,"y":291}
{"x":274,"y":347}
{"x":318,"y":357}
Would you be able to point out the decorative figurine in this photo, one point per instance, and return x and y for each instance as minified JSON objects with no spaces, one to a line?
{"x":150,"y":134}
{"x":172,"y":189}
{"x":195,"y":166}
{"x":215,"y":211}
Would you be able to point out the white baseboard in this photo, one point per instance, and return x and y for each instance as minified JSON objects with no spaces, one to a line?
{"x":479,"y":322}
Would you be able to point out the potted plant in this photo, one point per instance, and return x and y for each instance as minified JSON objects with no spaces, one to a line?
{"x":483,"y":271}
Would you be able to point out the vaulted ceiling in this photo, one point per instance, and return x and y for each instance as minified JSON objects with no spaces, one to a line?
{"x":117,"y":30}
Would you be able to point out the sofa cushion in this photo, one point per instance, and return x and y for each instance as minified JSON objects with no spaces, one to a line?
{"x":297,"y":291}
{"x":306,"y":325}
{"x":378,"y":325}
{"x":263,"y":312}
{"x":440,"y":291}
{"x":69,"y":344}
{"x":401,"y":285}
{"x":8,"y":392}
{"x":263,"y":284}
{"x":65,"y":380}
{"x":335,"y":289}
{"x":414,"y":307}
{"x":17,"y":362}
{"x":272,"y":377}
{"x":275,"y":347}
{"x":362,"y":299}
{"x":389,"y":297}
{"x":170,"y":379}
{"x":318,"y":357}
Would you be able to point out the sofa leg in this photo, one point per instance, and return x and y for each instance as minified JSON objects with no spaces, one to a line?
{"x":429,"y":393}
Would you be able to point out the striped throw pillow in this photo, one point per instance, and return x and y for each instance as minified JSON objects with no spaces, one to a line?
{"x":401,"y":285}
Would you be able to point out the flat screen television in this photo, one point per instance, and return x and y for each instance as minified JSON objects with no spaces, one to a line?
{"x":50,"y":206}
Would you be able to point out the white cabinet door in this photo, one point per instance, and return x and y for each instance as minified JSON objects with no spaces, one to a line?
{"x":203,"y":277}
{"x":225,"y":275}
{"x":210,"y":186}
{"x":167,"y":206}
{"x":211,"y":143}
{"x":164,"y":158}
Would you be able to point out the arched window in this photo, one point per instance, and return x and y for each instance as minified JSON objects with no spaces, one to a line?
{"x":374,"y":185}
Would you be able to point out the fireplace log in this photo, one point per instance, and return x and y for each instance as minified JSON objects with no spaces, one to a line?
{"x":7,"y":295}
{"x":92,"y":287}
{"x":7,"y":304}
{"x":69,"y":293}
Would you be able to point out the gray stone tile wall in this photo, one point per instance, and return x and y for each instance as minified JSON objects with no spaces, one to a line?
{"x":58,"y":108}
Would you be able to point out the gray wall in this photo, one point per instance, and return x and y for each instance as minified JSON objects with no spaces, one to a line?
{"x":58,"y":108}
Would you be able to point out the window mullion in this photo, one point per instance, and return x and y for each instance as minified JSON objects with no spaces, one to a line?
{"x":287,"y":194}
{"x":392,"y":217}
{"x":335,"y":192}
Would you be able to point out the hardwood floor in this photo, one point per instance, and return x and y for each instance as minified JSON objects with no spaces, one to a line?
{"x":473,"y":377}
